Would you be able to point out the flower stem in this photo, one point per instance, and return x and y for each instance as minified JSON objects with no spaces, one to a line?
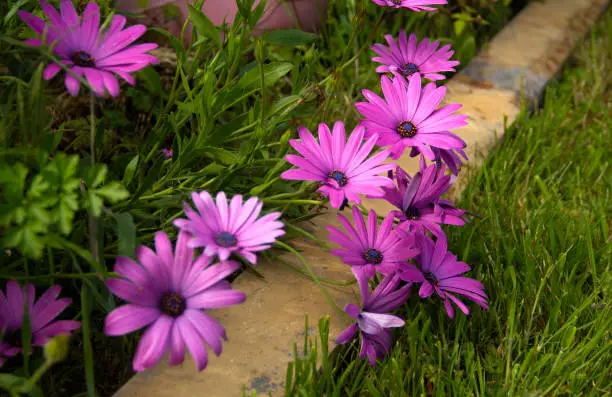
{"x":91,"y":218}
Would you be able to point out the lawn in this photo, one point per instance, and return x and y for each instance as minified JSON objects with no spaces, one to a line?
{"x":543,"y":251}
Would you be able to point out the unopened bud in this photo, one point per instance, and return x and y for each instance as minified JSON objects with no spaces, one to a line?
{"x":57,"y":349}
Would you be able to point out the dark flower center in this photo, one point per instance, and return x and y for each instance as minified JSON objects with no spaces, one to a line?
{"x":409,"y":69}
{"x":225,"y":239}
{"x":412,"y":213}
{"x":172,"y":304}
{"x":81,"y":58}
{"x":13,"y":338}
{"x":429,"y":276}
{"x":339,"y":177}
{"x":373,"y":256}
{"x":396,"y":2}
{"x":406,"y":129}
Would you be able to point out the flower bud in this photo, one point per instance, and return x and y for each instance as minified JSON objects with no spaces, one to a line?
{"x":57,"y":349}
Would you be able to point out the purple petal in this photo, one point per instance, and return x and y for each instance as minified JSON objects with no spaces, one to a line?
{"x":194,"y":343}
{"x":153,"y":344}
{"x":129,"y":318}
{"x":215,"y":299}
{"x":348,"y":334}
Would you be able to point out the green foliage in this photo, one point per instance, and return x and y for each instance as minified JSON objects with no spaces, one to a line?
{"x":41,"y":201}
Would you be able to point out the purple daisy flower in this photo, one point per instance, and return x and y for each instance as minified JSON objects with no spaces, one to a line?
{"x":440,"y":272}
{"x":82,"y":47}
{"x":41,"y":315}
{"x":168,"y":292}
{"x":373,"y":320}
{"x":414,"y":5}
{"x":223,"y":229}
{"x":419,"y":202}
{"x":368,"y":248}
{"x":452,"y":158}
{"x":407,"y":57}
{"x":408,"y":117}
{"x":340,"y":166}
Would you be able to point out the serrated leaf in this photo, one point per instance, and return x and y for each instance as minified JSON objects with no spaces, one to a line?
{"x":272,"y":73}
{"x":203,"y":25}
{"x":458,"y":26}
{"x":68,"y":204}
{"x":113,"y":192}
{"x":94,"y":203}
{"x":126,"y":235}
{"x":288,"y":37}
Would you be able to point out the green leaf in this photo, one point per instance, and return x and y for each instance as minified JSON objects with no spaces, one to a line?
{"x":113,"y":192}
{"x":151,"y":79}
{"x":218,"y":154}
{"x":288,"y":37}
{"x":126,"y":234}
{"x":272,"y":73}
{"x":203,"y":25}
{"x":130,"y":169}
{"x":68,"y":205}
{"x":260,"y":188}
{"x":11,"y":382}
{"x":458,"y":26}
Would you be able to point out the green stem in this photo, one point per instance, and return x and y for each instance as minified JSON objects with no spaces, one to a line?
{"x":91,"y":218}
{"x":311,"y":272}
{"x":36,"y":377}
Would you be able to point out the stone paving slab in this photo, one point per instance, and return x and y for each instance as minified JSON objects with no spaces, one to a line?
{"x":520,"y":60}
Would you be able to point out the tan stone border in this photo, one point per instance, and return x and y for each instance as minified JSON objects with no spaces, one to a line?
{"x":520,"y":60}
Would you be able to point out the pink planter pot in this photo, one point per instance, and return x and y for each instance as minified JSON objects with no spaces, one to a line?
{"x":279,"y":14}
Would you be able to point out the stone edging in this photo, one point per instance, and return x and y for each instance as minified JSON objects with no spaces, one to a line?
{"x":517,"y":63}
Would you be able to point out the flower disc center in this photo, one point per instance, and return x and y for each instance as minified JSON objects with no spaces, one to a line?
{"x":412,"y":213}
{"x":429,"y":276}
{"x":83,"y":59}
{"x":406,"y":129}
{"x":373,"y":256}
{"x":225,"y":239}
{"x":172,"y":304}
{"x":13,"y":338}
{"x":409,"y":69}
{"x":339,"y":177}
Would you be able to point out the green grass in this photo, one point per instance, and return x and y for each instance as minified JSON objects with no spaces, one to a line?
{"x":543,"y":250}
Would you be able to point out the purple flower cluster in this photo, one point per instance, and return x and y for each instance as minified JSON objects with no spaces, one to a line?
{"x":168,"y":290}
{"x":409,"y":246}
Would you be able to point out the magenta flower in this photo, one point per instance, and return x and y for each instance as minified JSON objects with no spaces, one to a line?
{"x":41,"y":314}
{"x":414,"y":5}
{"x":88,"y":52}
{"x":341,"y":167}
{"x":419,"y":202}
{"x":440,"y":272}
{"x":408,"y":117}
{"x":407,"y":57}
{"x":167,"y":292}
{"x":168,"y":153}
{"x":373,"y":320}
{"x":452,"y":158}
{"x":368,"y":248}
{"x":222,"y":230}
